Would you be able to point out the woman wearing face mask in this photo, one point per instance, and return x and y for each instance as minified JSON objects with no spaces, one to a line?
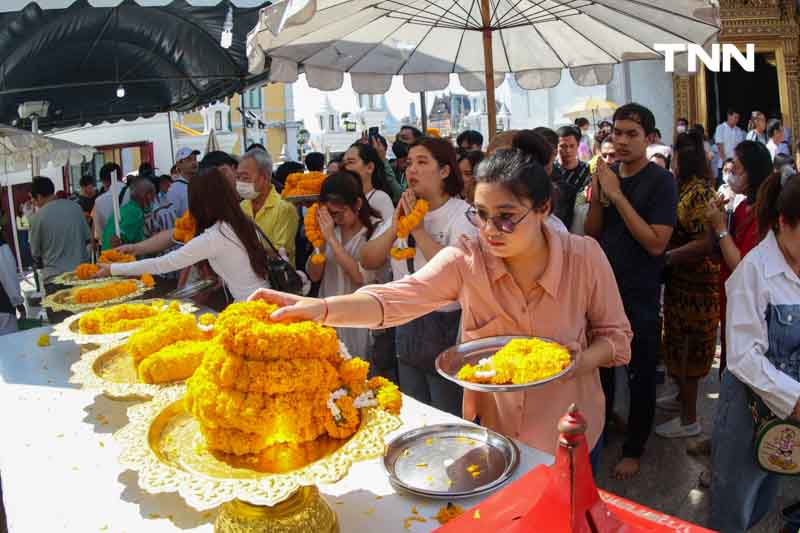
{"x":362,"y":160}
{"x":432,"y":175}
{"x":226,"y":238}
{"x":737,"y":234}
{"x":347,"y":222}
{"x":519,"y":277}
{"x":467,"y":164}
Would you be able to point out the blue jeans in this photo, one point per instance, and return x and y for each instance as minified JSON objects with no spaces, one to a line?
{"x":430,"y":389}
{"x":741,"y":492}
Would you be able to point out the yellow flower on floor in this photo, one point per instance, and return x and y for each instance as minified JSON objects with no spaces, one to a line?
{"x":43,"y":340}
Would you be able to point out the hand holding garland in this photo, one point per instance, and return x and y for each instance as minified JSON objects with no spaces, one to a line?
{"x":314,"y":234}
{"x":340,"y":255}
{"x":415,"y":211}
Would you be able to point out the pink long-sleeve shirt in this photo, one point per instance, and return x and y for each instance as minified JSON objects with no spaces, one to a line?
{"x":575,"y":303}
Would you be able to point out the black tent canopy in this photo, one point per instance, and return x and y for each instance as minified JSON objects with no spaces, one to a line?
{"x":166,"y":57}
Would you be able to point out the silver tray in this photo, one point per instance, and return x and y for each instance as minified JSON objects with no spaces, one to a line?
{"x":450,"y":361}
{"x":433,"y":461}
{"x":303,"y":199}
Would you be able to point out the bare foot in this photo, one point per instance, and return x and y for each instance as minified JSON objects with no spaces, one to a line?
{"x":626,"y":468}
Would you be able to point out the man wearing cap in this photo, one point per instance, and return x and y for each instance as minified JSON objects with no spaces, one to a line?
{"x":178,"y":194}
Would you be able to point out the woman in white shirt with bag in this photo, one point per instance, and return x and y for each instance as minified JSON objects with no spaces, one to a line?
{"x":226,"y":238}
{"x":757,"y":425}
{"x":432,"y":175}
{"x":346,"y":222}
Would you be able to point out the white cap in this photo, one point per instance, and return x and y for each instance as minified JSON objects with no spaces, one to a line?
{"x":183,"y":153}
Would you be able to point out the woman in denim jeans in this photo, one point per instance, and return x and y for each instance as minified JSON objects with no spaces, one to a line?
{"x":763,"y":333}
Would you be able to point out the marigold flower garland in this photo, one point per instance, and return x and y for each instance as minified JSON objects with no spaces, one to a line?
{"x":147,"y":280}
{"x":109,"y":291}
{"x":122,"y":317}
{"x":185,"y":228}
{"x":113,"y":256}
{"x":263,"y":383}
{"x":303,"y":184}
{"x":405,"y":226}
{"x":314,"y":234}
{"x":519,"y":361}
{"x":86,"y":271}
{"x":169,"y":329}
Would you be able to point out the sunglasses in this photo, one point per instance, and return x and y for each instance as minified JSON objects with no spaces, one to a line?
{"x":503,"y":223}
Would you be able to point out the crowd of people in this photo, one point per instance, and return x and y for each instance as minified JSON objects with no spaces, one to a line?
{"x":628,"y":251}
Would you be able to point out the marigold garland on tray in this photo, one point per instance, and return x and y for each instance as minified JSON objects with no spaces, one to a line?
{"x":263,"y":383}
{"x":175,"y":362}
{"x":185,"y":228}
{"x":405,"y":226}
{"x":113,"y":256}
{"x":169,"y":329}
{"x":314,"y":234}
{"x":147,"y":280}
{"x":86,"y":271}
{"x":520,"y":361}
{"x":122,"y":317}
{"x":109,"y":291}
{"x":303,"y":184}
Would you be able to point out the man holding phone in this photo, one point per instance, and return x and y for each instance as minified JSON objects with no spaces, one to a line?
{"x":632,"y":215}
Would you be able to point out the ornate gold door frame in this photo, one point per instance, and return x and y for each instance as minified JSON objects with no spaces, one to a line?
{"x":773,"y":26}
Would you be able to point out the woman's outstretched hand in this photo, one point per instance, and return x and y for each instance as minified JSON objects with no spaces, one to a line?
{"x":292,"y":307}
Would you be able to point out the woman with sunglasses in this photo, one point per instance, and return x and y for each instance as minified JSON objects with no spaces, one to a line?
{"x":519,"y":277}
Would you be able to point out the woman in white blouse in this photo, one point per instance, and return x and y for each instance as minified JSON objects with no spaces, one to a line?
{"x":226,"y":238}
{"x":347,"y":222}
{"x":363,"y":160}
{"x":763,"y":341}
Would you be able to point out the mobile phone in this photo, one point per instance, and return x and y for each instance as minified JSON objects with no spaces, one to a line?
{"x":373,"y":132}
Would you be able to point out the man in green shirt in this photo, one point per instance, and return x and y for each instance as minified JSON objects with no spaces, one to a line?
{"x":131,"y":216}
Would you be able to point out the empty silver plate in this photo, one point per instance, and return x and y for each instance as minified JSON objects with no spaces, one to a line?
{"x":440,"y":461}
{"x":450,"y":361}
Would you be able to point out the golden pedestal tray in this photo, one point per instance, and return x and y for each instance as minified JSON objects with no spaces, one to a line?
{"x":71,"y":279}
{"x":69,"y":329}
{"x":274,"y":492}
{"x":61,"y":300}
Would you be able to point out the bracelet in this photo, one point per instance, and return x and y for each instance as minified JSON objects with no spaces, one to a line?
{"x":722,"y":234}
{"x":324,"y":318}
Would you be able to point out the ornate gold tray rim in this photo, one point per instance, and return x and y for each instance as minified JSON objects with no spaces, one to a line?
{"x":63,"y":332}
{"x":49,"y":300}
{"x":66,"y":279}
{"x":83,"y":374}
{"x":203,"y":492}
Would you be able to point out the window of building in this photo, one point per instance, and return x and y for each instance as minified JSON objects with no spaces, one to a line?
{"x":331,"y":123}
{"x":322,"y":123}
{"x":218,"y":120}
{"x":252,"y":99}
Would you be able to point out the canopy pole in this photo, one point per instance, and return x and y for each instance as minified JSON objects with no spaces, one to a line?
{"x":12,"y":216}
{"x":423,"y":110}
{"x":244,"y":122}
{"x":488,"y":68}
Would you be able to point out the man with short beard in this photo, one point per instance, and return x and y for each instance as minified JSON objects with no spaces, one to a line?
{"x":632,"y":214}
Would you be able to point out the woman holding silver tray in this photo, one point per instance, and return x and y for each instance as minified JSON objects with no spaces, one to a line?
{"x":519,"y":277}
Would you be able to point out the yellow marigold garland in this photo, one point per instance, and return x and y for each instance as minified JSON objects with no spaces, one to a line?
{"x":185,"y":228}
{"x":346,"y":423}
{"x":405,"y":226}
{"x":168,"y":329}
{"x":519,"y":361}
{"x":113,"y":256}
{"x":109,"y":291}
{"x":175,"y":362}
{"x":122,"y":317}
{"x":387,"y":393}
{"x":303,"y":184}
{"x":147,"y":280}
{"x":314,"y":234}
{"x":86,"y":271}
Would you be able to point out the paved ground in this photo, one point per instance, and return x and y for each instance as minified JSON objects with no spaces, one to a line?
{"x":668,"y":481}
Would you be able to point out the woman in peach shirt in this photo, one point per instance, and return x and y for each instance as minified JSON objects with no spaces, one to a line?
{"x":518,"y":278}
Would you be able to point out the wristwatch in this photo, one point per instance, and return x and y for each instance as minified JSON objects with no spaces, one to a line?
{"x":722,"y":234}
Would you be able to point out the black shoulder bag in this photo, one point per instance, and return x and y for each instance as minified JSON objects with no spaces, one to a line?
{"x":282,"y":276}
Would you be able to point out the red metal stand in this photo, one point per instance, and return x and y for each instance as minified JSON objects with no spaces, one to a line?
{"x":563,"y":498}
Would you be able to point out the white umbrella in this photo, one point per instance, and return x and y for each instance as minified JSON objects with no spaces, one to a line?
{"x":21,"y":149}
{"x":594,"y":107}
{"x":427,"y":40}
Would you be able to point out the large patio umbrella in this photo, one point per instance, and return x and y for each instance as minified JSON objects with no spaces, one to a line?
{"x":481,"y":41}
{"x":21,"y":149}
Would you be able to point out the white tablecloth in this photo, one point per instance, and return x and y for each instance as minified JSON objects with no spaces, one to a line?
{"x":58,"y":459}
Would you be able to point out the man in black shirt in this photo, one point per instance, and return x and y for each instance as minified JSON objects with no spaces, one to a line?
{"x":87,"y":194}
{"x":572,"y":174}
{"x":632,"y":214}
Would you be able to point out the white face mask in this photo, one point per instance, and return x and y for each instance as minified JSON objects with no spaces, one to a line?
{"x":726,"y":177}
{"x":736,"y":183}
{"x":246,"y":190}
{"x":681,"y":128}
